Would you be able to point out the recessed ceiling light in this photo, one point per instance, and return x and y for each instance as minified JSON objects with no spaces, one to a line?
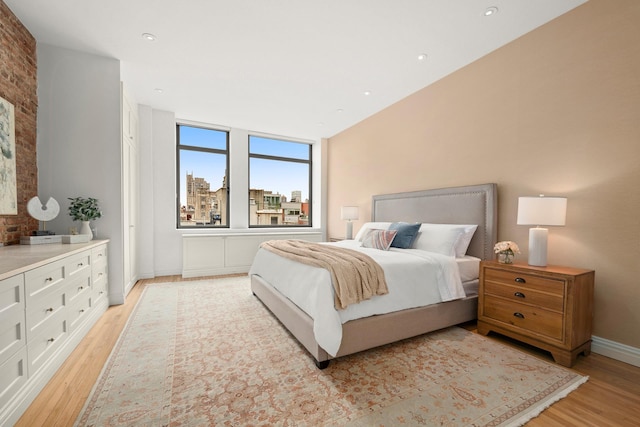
{"x":422,"y":57}
{"x":158,"y":90}
{"x":339,"y":110}
{"x":148,"y":36}
{"x":491,"y":11}
{"x":367,"y":92}
{"x":320,"y":124}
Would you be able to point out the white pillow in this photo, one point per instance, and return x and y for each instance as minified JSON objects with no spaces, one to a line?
{"x":370,"y":225}
{"x":464,"y":240}
{"x":446,"y":239}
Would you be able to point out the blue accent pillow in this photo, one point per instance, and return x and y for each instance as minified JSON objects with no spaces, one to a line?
{"x":406,"y":234}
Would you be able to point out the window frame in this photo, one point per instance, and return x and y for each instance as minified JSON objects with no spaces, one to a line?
{"x":309,"y":163}
{"x":225,"y":152}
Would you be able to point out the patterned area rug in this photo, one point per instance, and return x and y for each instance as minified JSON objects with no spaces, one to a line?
{"x":209,"y":353}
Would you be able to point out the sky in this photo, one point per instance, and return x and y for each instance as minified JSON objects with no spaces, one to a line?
{"x":276,"y":176}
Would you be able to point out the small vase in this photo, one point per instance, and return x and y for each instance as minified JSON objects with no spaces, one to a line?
{"x":86,"y":229}
{"x":505,"y":258}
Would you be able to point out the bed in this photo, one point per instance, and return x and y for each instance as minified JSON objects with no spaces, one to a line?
{"x":475,"y":204}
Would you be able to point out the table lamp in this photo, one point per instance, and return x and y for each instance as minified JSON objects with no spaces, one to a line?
{"x":349,"y":213}
{"x":540,"y":211}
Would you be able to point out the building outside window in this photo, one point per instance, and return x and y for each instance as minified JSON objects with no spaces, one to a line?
{"x":279,"y":183}
{"x":202,"y":156}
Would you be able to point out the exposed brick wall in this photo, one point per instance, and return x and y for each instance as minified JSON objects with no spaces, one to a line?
{"x":18,"y":85}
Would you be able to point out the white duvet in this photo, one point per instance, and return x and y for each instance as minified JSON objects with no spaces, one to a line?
{"x":415,"y":278}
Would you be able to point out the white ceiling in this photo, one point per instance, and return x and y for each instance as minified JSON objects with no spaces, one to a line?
{"x":293,"y":68}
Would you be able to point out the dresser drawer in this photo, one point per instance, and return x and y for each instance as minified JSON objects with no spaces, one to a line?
{"x":523,"y":316}
{"x":525,"y":280}
{"x":78,"y":310}
{"x":77,"y":288}
{"x":40,"y":311}
{"x":43,"y":345}
{"x":78,"y":265}
{"x":43,"y":280}
{"x":99,"y":271}
{"x":100,"y":288}
{"x":12,"y":318}
{"x":99,"y":254}
{"x":13,"y":375}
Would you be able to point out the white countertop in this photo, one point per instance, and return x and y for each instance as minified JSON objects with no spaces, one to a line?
{"x":16,"y":259}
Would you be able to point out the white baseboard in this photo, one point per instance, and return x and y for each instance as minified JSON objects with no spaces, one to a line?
{"x":614,"y":350}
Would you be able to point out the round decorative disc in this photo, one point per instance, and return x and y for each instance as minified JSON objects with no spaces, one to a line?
{"x":43,"y":212}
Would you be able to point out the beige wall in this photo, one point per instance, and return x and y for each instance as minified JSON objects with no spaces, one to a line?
{"x":555,"y":112}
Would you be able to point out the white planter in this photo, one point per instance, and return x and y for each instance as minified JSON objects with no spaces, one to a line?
{"x":86,"y":229}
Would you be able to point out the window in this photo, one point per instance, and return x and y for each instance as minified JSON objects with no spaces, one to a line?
{"x":279,"y":183}
{"x":202,"y":177}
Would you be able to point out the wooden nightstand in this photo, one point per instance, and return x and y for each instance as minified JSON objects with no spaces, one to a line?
{"x":548,"y":307}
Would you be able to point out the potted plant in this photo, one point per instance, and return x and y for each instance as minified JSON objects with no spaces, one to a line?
{"x":85,"y":210}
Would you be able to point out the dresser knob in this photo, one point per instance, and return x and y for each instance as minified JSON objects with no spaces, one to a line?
{"x":51,"y":340}
{"x":50,"y":309}
{"x":519,"y":294}
{"x":520,"y":280}
{"x":519,"y":315}
{"x":49,"y":279}
{"x":80,"y":264}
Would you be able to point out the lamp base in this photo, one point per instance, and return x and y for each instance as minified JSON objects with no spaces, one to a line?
{"x":349,"y":230}
{"x":538,"y":246}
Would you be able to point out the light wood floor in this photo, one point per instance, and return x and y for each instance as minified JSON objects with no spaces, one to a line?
{"x":611,"y":397}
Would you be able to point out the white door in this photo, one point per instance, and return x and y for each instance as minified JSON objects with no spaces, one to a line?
{"x":130,"y":195}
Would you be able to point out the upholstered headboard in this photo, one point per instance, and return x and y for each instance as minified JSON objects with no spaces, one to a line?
{"x":474,"y":204}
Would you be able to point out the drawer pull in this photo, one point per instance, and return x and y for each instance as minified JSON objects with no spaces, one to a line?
{"x":519,"y":315}
{"x":50,"y":309}
{"x":51,"y":340}
{"x":80,"y":264}
{"x":520,"y":280}
{"x":49,"y":279}
{"x":99,"y":255}
{"x":519,"y":295}
{"x":82,"y":310}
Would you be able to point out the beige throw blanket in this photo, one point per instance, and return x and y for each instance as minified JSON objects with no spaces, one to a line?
{"x":355,"y":276}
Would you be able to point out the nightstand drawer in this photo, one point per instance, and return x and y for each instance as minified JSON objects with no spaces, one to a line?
{"x":530,"y":281}
{"x":525,"y":295}
{"x":524,"y":316}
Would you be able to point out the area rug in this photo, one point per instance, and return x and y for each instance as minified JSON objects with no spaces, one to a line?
{"x":208,"y":353}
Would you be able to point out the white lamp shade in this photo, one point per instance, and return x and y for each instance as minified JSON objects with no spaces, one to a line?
{"x":542,"y":210}
{"x":349,"y":212}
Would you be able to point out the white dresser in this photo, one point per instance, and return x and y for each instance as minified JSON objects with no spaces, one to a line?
{"x":50,"y":296}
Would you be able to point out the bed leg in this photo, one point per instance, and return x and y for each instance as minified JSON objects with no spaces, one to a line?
{"x":323,"y":364}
